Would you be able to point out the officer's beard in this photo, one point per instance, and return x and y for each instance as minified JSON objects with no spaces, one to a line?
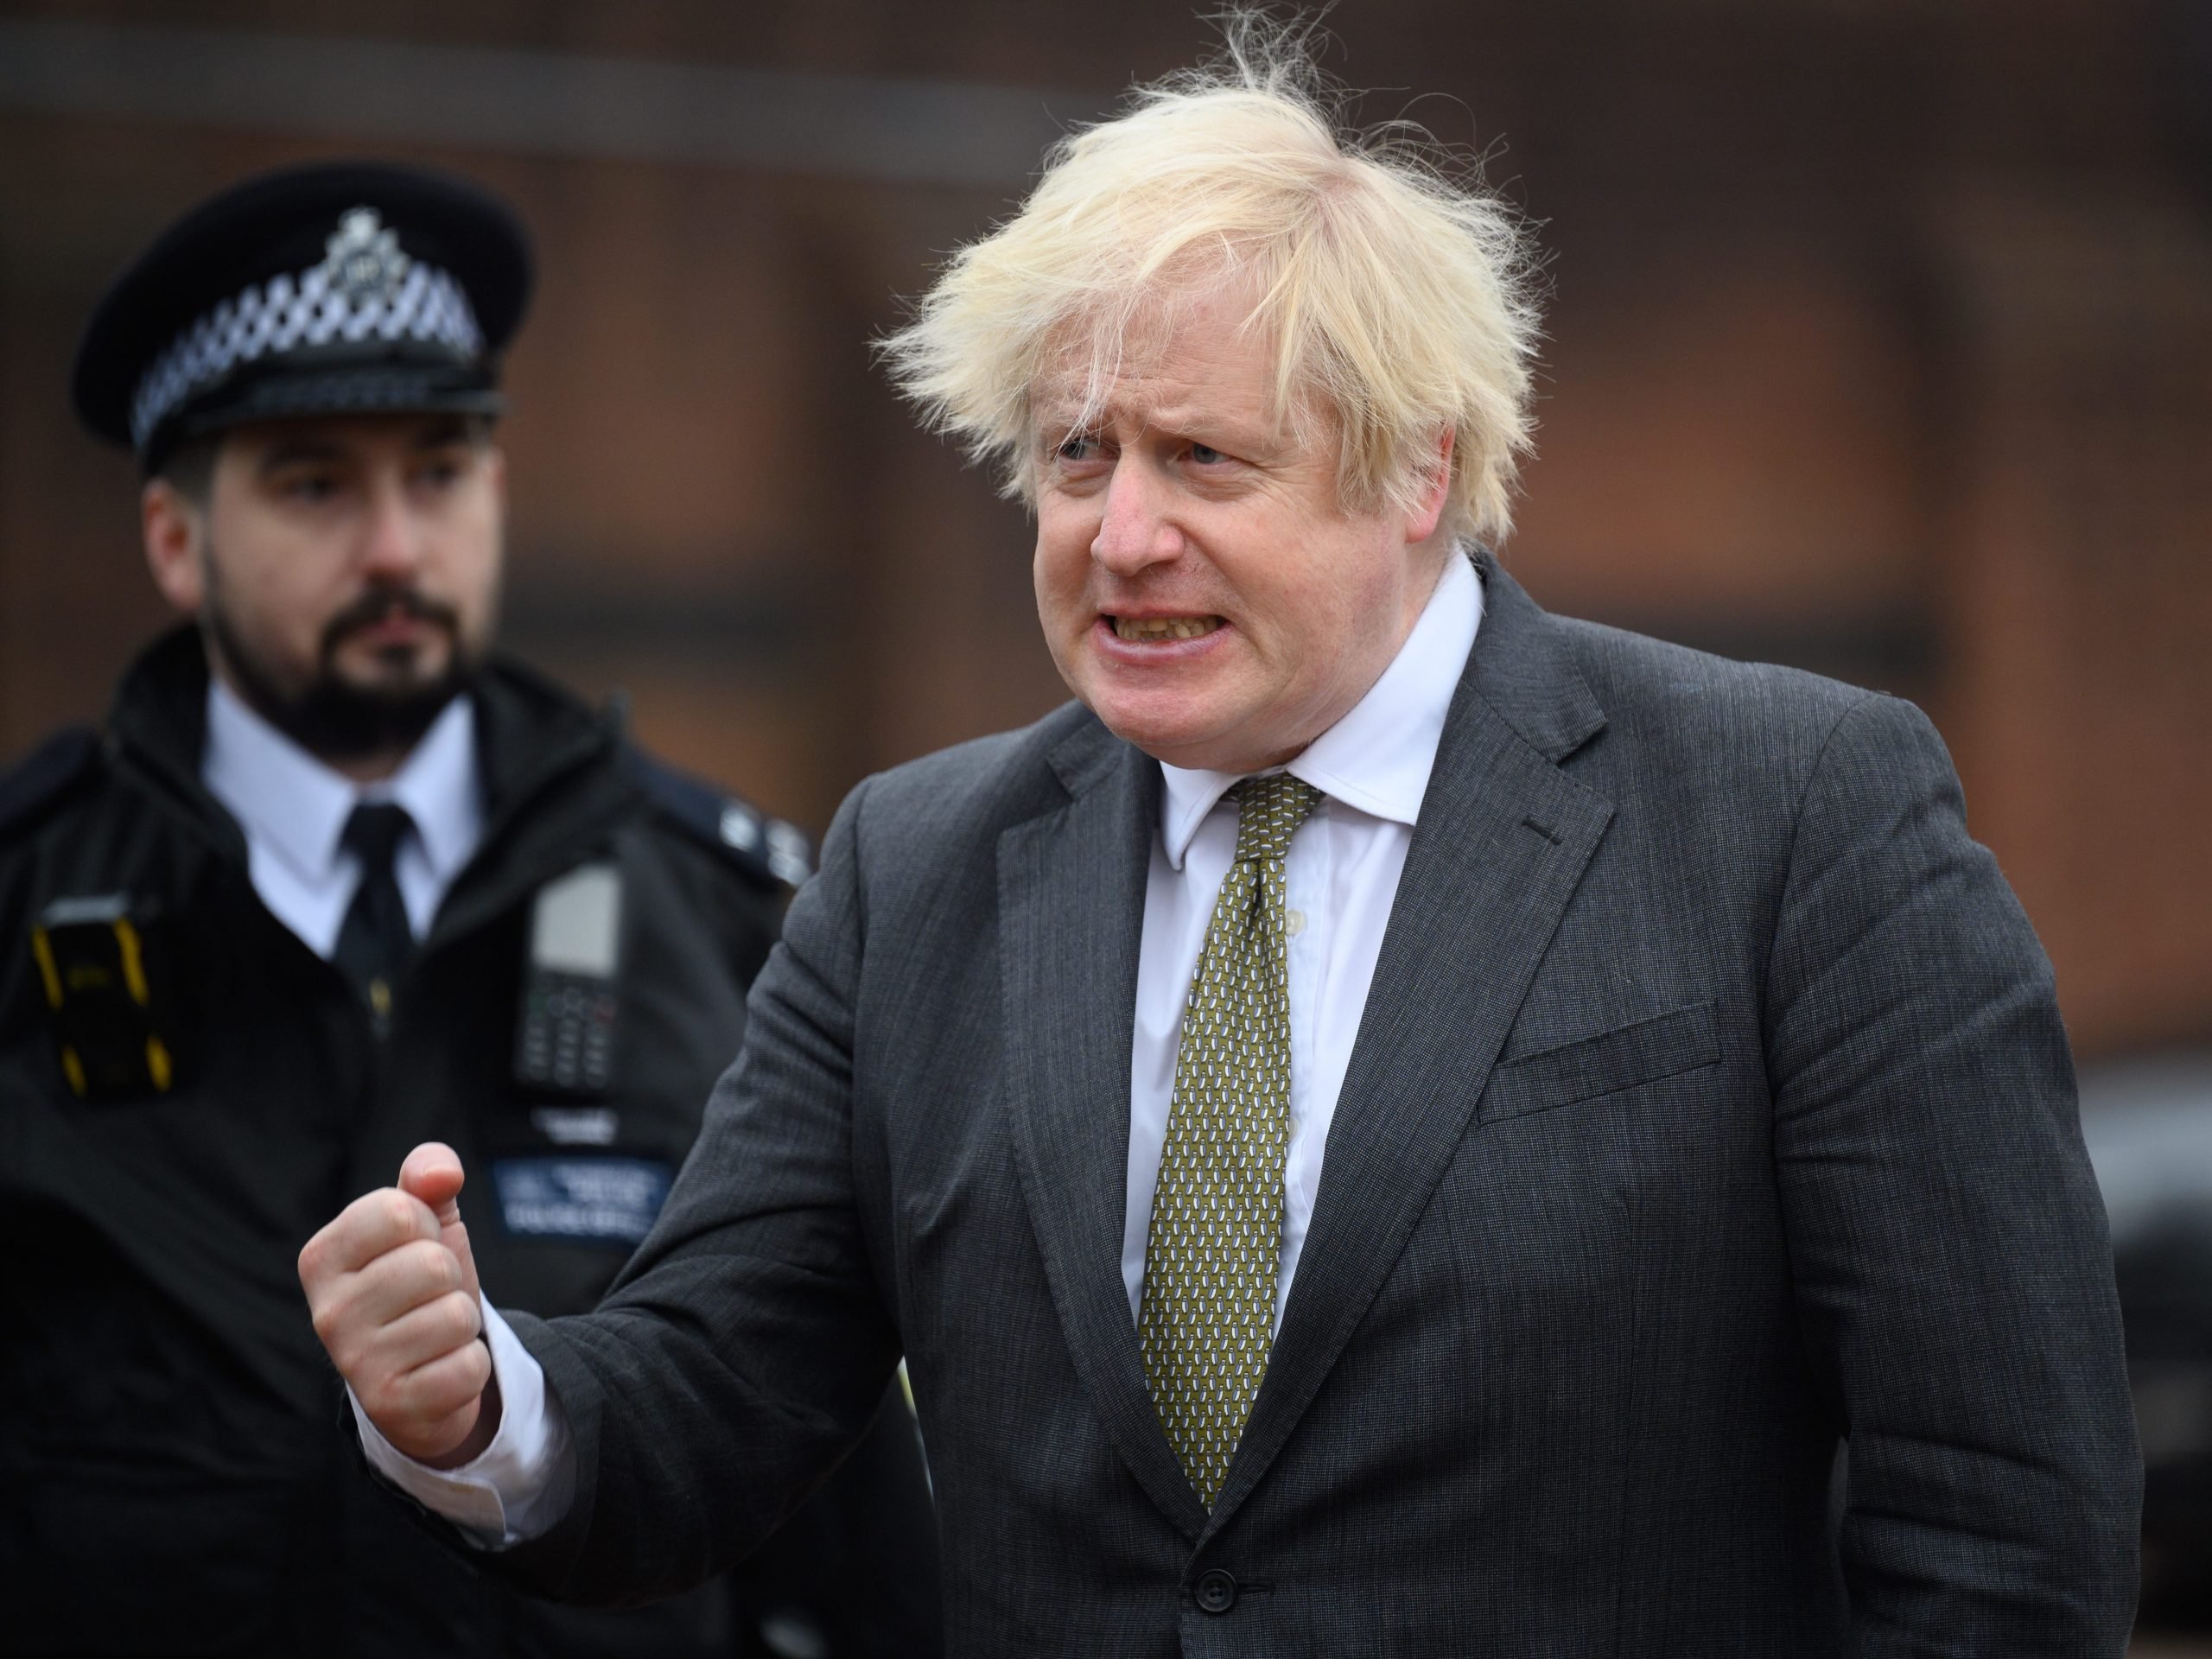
{"x":335,"y":719}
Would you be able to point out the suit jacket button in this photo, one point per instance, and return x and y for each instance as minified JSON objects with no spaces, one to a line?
{"x":1216,"y":1591}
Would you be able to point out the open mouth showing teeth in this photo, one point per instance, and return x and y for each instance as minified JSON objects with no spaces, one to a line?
{"x":1150,"y":629}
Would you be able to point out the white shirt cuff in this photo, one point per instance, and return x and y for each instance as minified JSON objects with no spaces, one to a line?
{"x":522,"y":1484}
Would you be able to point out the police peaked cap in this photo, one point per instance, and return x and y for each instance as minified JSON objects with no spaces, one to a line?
{"x":341,"y":288}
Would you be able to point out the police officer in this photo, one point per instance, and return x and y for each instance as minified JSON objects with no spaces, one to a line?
{"x":334,"y":879}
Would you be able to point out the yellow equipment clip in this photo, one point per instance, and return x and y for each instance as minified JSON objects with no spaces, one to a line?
{"x":91,"y":962}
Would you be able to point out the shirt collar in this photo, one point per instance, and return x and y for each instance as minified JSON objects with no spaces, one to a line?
{"x":297,"y":807}
{"x":1378,"y":757}
{"x":437,"y":784}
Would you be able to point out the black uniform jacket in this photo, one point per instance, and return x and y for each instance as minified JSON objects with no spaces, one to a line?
{"x":176,"y":1468}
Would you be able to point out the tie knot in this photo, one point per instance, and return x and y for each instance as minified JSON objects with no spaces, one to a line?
{"x":1267,"y":810}
{"x":372,"y":833}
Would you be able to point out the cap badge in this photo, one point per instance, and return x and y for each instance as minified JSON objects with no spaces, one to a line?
{"x":362,"y":260}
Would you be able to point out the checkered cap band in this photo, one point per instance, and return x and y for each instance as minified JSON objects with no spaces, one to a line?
{"x":286,"y":313}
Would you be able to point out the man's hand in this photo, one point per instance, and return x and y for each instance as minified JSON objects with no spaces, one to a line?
{"x":392,"y":1287}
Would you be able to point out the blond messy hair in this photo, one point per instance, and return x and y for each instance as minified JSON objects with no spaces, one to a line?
{"x":1398,"y":303}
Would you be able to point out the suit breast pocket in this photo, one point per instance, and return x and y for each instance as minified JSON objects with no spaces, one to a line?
{"x":1627,"y":1056}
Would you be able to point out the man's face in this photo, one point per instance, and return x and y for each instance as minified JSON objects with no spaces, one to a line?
{"x":1201,"y":587}
{"x":347,"y":572}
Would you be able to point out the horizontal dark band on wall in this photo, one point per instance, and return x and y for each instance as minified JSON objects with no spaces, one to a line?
{"x":1897,"y":651}
{"x":757,"y":629}
{"x":966,"y":133}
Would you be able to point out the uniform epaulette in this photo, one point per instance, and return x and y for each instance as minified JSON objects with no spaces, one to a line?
{"x":768,"y":847}
{"x":45,"y":775}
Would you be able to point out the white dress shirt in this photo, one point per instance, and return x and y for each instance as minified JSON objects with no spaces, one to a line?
{"x":1341,"y":877}
{"x":293,"y":809}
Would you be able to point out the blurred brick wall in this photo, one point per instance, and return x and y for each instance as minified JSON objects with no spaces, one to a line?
{"x":1881,"y":343}
{"x":2079,"y":589}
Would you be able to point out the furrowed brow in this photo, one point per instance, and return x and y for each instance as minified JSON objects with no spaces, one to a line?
{"x":298,"y":452}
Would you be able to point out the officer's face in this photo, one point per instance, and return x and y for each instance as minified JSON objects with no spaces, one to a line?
{"x":1202,"y":585}
{"x":346,"y":571}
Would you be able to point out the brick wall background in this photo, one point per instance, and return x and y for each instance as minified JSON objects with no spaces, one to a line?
{"x":1881,"y":343}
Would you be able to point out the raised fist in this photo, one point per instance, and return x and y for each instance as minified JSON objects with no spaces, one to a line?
{"x":392,"y":1289}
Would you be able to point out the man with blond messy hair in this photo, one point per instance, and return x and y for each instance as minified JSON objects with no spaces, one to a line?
{"x":1394,"y":1123}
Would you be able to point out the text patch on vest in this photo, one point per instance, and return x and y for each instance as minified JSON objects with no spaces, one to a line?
{"x":609,"y":1200}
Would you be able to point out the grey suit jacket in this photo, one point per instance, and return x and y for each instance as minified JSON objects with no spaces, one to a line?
{"x":1710,"y":1104}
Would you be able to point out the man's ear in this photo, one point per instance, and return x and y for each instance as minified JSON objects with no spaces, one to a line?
{"x":1436,"y":488}
{"x":173,"y":529}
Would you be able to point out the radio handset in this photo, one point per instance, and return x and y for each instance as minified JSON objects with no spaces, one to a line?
{"x":564,"y":1041}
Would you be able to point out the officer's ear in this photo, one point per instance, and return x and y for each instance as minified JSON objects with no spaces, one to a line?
{"x":173,"y":529}
{"x":486,"y":437}
{"x":173,"y":524}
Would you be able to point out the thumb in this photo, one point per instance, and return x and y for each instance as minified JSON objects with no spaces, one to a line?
{"x":433,"y":1173}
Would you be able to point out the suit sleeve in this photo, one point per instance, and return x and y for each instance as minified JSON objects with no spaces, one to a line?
{"x":746,"y":1347}
{"x":1953,"y":1272}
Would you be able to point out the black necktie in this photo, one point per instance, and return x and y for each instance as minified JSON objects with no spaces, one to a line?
{"x":375,"y":940}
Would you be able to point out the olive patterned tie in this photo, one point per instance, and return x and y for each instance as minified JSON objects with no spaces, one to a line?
{"x":1210,"y":1254}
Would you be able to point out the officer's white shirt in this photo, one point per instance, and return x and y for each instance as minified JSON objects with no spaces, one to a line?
{"x":293,"y":809}
{"x":1341,"y":877}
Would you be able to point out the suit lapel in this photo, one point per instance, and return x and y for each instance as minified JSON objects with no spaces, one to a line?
{"x":1071,"y":907}
{"x":1503,"y":840}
